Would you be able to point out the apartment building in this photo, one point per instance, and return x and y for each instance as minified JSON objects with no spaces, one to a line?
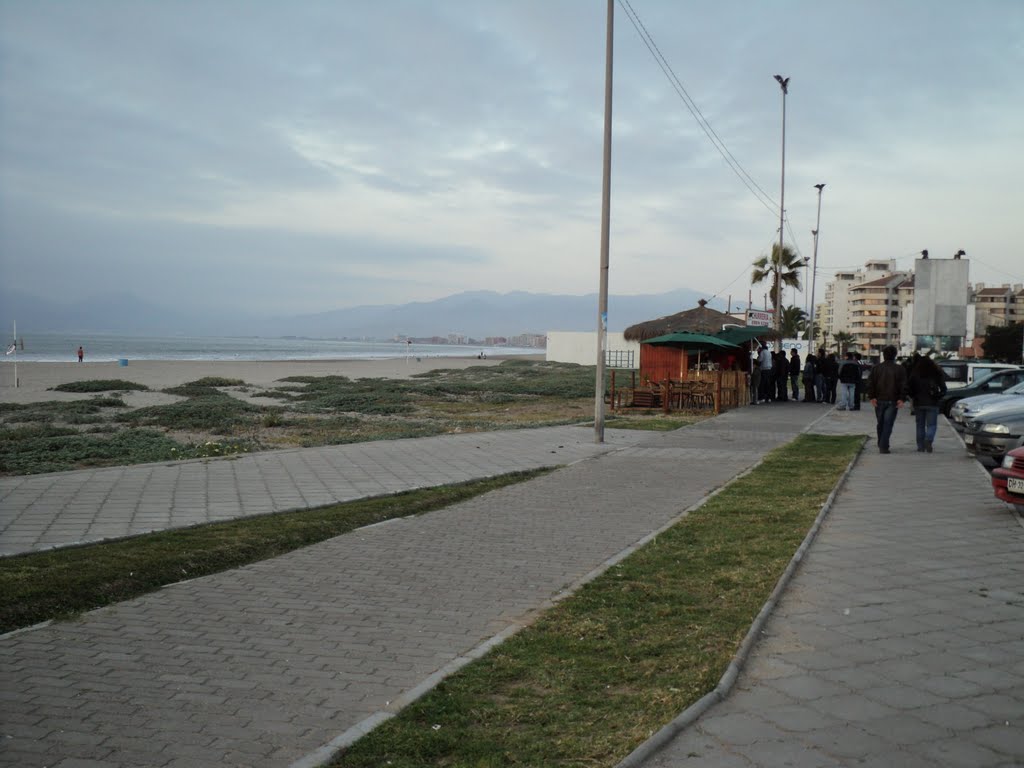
{"x":837,"y":312}
{"x":875,"y":313}
{"x":1000,"y":306}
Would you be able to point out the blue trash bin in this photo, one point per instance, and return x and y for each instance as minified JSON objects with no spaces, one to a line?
{"x":123,"y":362}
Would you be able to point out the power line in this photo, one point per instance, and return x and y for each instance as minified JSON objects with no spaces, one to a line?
{"x":755,"y":189}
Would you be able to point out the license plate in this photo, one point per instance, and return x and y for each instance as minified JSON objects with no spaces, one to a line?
{"x":1014,"y":485}
{"x":969,"y":439}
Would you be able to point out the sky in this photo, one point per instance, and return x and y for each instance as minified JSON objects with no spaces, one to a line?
{"x":270,"y":157}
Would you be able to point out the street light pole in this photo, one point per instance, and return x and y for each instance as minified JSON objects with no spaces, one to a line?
{"x":814,"y":268}
{"x":606,"y":195}
{"x":784,"y":84}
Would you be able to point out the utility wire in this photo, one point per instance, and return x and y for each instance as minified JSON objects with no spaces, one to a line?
{"x":755,"y":189}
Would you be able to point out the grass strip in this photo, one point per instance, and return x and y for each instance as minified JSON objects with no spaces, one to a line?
{"x":60,"y":583}
{"x":596,"y":675}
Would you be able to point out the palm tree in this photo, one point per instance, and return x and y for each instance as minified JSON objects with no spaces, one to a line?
{"x":789,"y":266}
{"x":843,"y":339}
{"x":794,"y":322}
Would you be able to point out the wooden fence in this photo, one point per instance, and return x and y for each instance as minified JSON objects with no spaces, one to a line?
{"x":716,"y":391}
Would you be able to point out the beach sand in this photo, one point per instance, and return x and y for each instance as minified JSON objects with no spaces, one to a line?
{"x":36,"y":379}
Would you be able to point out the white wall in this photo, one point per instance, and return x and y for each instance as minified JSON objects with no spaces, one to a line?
{"x":581,"y":347}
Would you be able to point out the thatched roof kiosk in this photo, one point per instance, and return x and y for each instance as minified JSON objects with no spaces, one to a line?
{"x":661,"y":361}
{"x":700,"y":319}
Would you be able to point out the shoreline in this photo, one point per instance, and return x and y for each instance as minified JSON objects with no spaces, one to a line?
{"x":37,"y":378}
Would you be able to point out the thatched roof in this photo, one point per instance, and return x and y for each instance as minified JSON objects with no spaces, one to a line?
{"x":701,"y":319}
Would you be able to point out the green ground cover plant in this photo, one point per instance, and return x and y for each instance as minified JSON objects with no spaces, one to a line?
{"x":209,"y":411}
{"x":607,"y":667}
{"x":100,"y":385}
{"x":54,"y":449}
{"x":60,"y":583}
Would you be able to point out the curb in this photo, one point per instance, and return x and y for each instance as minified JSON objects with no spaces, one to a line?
{"x":691,"y":714}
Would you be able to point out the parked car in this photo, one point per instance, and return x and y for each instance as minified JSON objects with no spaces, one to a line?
{"x":994,"y":382}
{"x":1008,"y":479}
{"x":999,"y":431}
{"x":962,"y":373}
{"x":974,"y":407}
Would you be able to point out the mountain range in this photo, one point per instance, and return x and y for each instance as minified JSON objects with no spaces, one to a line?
{"x":477,"y":314}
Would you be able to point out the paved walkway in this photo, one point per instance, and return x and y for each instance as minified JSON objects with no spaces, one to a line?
{"x":900,"y":642}
{"x":265,"y":665}
{"x":54,"y":510}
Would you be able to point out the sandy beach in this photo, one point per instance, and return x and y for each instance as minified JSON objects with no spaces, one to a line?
{"x":36,"y":379}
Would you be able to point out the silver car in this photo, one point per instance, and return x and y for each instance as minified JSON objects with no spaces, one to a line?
{"x":995,"y":431}
{"x":971,"y":407}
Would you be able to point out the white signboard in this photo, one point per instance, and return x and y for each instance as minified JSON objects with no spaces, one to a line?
{"x":940,"y":297}
{"x":760,"y":317}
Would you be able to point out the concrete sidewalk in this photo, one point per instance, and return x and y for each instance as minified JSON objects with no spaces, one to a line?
{"x":900,"y":642}
{"x":267,"y":665}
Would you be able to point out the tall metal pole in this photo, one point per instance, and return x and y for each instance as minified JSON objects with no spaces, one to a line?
{"x":814,"y":273}
{"x":606,"y":195}
{"x":784,"y":83}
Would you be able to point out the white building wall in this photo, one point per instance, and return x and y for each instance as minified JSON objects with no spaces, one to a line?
{"x":581,"y":347}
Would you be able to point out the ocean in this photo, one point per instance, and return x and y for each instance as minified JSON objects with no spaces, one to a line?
{"x":98,"y":348}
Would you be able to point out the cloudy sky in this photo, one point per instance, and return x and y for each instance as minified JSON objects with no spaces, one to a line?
{"x":305,"y":156}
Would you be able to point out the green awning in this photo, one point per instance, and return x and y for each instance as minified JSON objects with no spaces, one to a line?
{"x":689,"y":340}
{"x":744,"y":333}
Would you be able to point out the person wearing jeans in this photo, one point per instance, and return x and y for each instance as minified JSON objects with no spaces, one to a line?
{"x":887,"y":385}
{"x":926,"y":386}
{"x":794,"y":373}
{"x":849,"y":372}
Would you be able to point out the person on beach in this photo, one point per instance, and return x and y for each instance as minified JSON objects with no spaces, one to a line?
{"x":887,"y":385}
{"x":81,"y":354}
{"x":926,"y":386}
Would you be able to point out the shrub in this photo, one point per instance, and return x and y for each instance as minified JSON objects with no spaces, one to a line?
{"x":100,"y":385}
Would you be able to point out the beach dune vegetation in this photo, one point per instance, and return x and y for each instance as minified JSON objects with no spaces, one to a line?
{"x":216,"y":416}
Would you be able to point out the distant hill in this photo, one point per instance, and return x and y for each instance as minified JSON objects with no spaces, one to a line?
{"x":476,"y":314}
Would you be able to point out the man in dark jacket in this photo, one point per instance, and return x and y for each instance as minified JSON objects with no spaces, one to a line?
{"x":849,"y":373}
{"x":781,"y":377}
{"x":829,"y":367}
{"x":887,"y":386}
{"x":794,"y":373}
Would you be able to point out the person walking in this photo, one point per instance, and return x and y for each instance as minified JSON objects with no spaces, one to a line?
{"x":794,"y":373}
{"x":810,"y":373}
{"x":926,"y":386}
{"x":849,"y":372}
{"x":81,"y":354}
{"x":887,"y":386}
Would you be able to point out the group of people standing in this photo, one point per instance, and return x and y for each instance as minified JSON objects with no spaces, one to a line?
{"x":822,"y":375}
{"x":825,"y":378}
